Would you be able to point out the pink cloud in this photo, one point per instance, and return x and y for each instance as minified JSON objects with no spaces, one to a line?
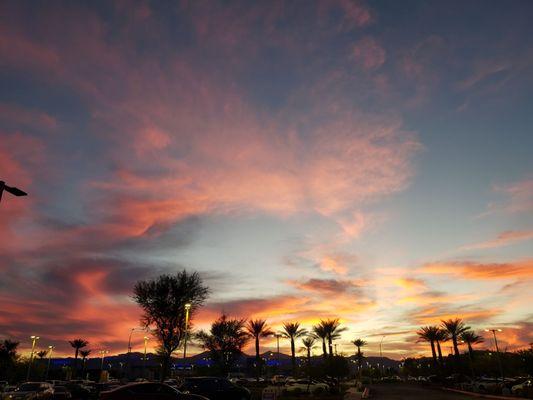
{"x":368,"y":53}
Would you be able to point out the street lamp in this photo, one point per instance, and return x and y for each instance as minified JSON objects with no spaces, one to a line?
{"x":103,"y":353}
{"x":129,"y":348}
{"x":497,"y":350}
{"x":50,"y":350}
{"x":33,"y":343}
{"x":381,"y":349}
{"x":278,"y":336}
{"x":146,"y":338}
{"x":187,"y":309}
{"x":11,"y":189}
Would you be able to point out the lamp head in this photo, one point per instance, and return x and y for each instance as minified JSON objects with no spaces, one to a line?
{"x":188,"y":306}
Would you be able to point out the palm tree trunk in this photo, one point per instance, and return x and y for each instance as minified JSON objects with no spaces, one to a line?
{"x":324,"y":350}
{"x":470,"y":350}
{"x":74,"y":373}
{"x":293,"y":356}
{"x":440,"y":353}
{"x":330,"y":344}
{"x":455,"y":346}
{"x":257,"y":358}
{"x":433,"y":353}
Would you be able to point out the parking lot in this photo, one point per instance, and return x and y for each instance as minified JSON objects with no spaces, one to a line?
{"x":401,"y":391}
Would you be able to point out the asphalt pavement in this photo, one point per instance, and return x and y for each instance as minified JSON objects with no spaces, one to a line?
{"x":405,"y":391}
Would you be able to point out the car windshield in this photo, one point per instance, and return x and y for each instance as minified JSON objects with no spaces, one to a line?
{"x":29,"y":387}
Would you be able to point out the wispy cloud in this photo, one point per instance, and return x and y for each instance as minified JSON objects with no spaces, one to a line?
{"x":503,"y":239}
{"x":474,"y":270}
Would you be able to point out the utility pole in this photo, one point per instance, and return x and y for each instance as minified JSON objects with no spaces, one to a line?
{"x":500,"y":365}
{"x":33,"y":343}
{"x":187,"y":308}
{"x":50,"y":350}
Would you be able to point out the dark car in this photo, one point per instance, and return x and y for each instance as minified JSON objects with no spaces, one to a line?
{"x":147,"y":391}
{"x":215,"y":388}
{"x":61,"y":393}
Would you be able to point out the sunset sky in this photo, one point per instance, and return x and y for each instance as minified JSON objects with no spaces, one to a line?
{"x":371,"y":161}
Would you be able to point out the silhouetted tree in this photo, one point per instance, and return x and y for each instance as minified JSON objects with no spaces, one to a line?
{"x":320,"y":332}
{"x":225,"y":341}
{"x":333,"y":329}
{"x":42,"y":354}
{"x":77,"y":344}
{"x":429,"y":334}
{"x":84,"y":354}
{"x":470,"y":338}
{"x":163,"y":302}
{"x":8,"y":357}
{"x":455,"y":327}
{"x":257,"y":329}
{"x":309,"y":344}
{"x":359,"y":343}
{"x":292,"y":331}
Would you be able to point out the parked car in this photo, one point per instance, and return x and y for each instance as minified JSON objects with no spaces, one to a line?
{"x":7,"y":389}
{"x":304,"y":385}
{"x":487,"y":385}
{"x":278,"y":379}
{"x":61,"y":393}
{"x":79,"y":391}
{"x":147,"y":391}
{"x":33,"y":390}
{"x":522,"y":387}
{"x":215,"y":388}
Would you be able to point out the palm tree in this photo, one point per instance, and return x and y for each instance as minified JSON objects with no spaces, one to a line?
{"x":359,"y":343}
{"x":77,"y":344}
{"x":257,"y":329}
{"x":321,"y":333}
{"x":292,"y":331}
{"x":84,"y":354}
{"x":225,"y":340}
{"x":42,"y":354}
{"x":455,"y":327}
{"x":470,"y":338}
{"x":442,"y":336}
{"x":333,"y":329}
{"x":309,"y":344}
{"x":429,"y":334}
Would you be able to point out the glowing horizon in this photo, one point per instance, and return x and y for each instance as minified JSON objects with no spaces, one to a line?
{"x":345,"y":159}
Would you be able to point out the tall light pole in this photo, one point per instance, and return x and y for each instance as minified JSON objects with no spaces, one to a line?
{"x":34,"y":340}
{"x":103,"y":353}
{"x":50,"y":350}
{"x":381,"y":349}
{"x":187,"y":309}
{"x":129,"y":349}
{"x":497,"y":350}
{"x":10,"y":189}
{"x":278,"y":335}
{"x":146,"y":338}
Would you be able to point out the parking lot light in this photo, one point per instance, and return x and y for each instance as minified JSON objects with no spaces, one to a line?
{"x":11,"y":189}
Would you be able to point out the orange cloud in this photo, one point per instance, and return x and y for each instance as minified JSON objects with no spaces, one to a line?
{"x":473,"y":270}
